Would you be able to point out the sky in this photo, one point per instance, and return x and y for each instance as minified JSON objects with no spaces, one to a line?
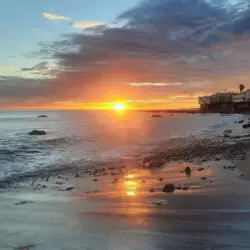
{"x":148,"y":54}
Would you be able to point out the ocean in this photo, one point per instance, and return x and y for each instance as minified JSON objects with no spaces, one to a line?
{"x":79,"y":138}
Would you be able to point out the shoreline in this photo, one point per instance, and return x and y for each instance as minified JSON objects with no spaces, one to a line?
{"x":197,"y":151}
{"x":113,"y":206}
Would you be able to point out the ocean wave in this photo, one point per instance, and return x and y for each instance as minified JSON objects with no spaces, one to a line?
{"x":62,"y":140}
{"x":11,"y":152}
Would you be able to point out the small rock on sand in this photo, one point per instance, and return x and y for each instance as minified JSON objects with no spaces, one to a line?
{"x":77,"y":175}
{"x":160,"y":202}
{"x":201,"y":169}
{"x":160,"y":179}
{"x":203,"y":178}
{"x":69,"y":188}
{"x":95,"y":180}
{"x":151,"y":190}
{"x":187,"y":171}
{"x":169,"y":188}
{"x":245,"y":126}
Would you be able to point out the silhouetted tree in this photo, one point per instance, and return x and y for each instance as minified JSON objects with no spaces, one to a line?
{"x":241,"y":87}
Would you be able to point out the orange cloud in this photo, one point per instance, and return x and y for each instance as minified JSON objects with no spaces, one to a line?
{"x":86,"y":25}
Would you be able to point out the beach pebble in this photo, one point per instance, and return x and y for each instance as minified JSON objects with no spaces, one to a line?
{"x":115,"y":180}
{"x":187,"y":171}
{"x":160,"y":202}
{"x":69,"y":188}
{"x":169,"y":188}
{"x":201,"y":169}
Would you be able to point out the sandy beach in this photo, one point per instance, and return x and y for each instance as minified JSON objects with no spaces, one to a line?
{"x":123,"y":207}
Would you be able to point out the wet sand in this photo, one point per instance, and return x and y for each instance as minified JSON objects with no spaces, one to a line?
{"x":113,"y":208}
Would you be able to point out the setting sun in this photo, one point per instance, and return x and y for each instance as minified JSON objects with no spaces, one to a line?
{"x":119,"y":107}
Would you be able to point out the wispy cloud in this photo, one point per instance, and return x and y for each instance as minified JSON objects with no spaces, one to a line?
{"x":86,"y":25}
{"x":5,"y":67}
{"x":54,"y":16}
{"x":157,"y":84}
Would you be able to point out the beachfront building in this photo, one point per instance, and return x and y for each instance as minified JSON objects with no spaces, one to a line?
{"x":226,"y":102}
{"x":219,"y":102}
{"x":242,"y":101}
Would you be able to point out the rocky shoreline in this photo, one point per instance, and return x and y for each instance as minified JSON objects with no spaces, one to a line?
{"x":195,"y":150}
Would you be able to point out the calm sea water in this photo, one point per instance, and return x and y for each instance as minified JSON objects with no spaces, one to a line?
{"x":81,"y":137}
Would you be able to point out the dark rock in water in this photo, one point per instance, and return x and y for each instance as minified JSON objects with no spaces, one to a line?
{"x":47,"y":178}
{"x":241,"y":175}
{"x":217,"y":158}
{"x":203,"y":160}
{"x":160,"y":179}
{"x":37,"y":132}
{"x":245,"y":126}
{"x":156,"y":116}
{"x":27,"y":247}
{"x":187,"y":171}
{"x":203,"y":178}
{"x":201,"y":169}
{"x":23,"y":202}
{"x":95,"y":180}
{"x":44,"y":186}
{"x":185,"y":188}
{"x":151,"y":190}
{"x":210,"y":182}
{"x":42,"y":116}
{"x":169,"y":188}
{"x":241,"y":121}
{"x":77,"y":175}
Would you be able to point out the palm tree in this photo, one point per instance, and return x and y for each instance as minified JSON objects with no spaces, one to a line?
{"x":241,"y":87}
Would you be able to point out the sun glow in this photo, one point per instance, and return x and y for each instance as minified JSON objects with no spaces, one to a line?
{"x":119,"y":107}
